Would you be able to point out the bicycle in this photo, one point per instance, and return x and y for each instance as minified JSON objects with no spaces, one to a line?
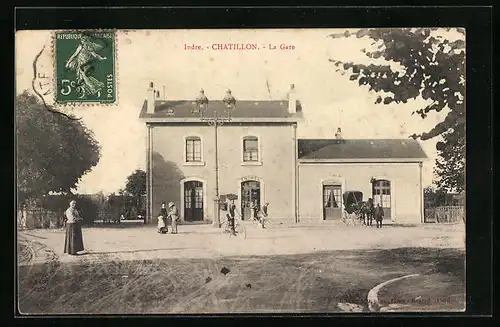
{"x":239,"y":229}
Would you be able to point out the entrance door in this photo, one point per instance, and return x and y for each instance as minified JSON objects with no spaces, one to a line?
{"x":250,"y":192}
{"x":381,"y":191}
{"x":332,"y":202}
{"x":193,"y":201}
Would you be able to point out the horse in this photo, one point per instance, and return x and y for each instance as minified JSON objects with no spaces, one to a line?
{"x":366,"y":212}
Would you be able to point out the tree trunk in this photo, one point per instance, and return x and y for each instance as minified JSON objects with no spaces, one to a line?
{"x":138,"y":204}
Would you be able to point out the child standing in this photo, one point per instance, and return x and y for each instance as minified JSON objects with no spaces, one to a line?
{"x":162,"y":227}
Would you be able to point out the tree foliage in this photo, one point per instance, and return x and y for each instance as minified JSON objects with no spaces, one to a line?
{"x":450,"y":164}
{"x":136,"y":183}
{"x":428,"y":66}
{"x":53,"y":152}
{"x":434,"y":197}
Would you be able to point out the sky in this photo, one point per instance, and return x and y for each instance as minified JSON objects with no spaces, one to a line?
{"x":329,"y":100}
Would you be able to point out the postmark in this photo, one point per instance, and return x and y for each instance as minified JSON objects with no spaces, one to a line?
{"x":85,"y":67}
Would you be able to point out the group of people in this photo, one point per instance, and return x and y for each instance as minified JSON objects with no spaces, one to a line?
{"x":257,"y":214}
{"x":369,"y":212}
{"x":168,"y":214}
{"x":73,"y":242}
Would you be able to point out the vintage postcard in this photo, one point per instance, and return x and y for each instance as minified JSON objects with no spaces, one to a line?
{"x":240,"y":171}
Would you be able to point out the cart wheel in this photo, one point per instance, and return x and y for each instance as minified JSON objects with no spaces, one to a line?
{"x":241,"y":231}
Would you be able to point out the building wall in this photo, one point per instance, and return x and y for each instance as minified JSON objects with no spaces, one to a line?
{"x":406,"y":190}
{"x":276,"y":171}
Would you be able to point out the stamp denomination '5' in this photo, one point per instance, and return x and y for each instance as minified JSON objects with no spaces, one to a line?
{"x":85,"y":67}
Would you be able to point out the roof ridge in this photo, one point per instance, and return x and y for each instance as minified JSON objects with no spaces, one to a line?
{"x":360,"y":148}
{"x":352,"y":139}
{"x":217,"y":100}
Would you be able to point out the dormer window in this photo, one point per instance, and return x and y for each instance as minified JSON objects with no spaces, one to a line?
{"x":250,"y":149}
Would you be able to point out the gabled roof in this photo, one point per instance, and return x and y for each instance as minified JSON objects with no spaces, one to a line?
{"x":173,"y":109}
{"x":334,"y":149}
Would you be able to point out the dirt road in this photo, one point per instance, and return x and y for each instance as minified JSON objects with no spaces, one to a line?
{"x":308,"y":269}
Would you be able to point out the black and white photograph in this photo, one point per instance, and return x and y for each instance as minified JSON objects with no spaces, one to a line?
{"x":237,"y":171}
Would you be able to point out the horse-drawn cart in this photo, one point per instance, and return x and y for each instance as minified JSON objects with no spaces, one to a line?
{"x":355,"y":209}
{"x":352,"y":212}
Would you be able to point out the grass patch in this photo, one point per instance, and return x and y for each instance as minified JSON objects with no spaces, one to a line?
{"x":24,"y":253}
{"x":437,"y":292}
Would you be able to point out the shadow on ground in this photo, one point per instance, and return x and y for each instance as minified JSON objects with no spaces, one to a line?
{"x":134,"y":251}
{"x":314,"y":282}
{"x":122,"y":224}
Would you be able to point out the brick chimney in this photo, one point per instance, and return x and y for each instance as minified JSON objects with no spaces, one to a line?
{"x":164,"y":95}
{"x":151,"y":99}
{"x":292,"y":100}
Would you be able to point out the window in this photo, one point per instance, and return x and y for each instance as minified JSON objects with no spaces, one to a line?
{"x":250,"y":148}
{"x":382,"y":193}
{"x":332,"y":196}
{"x":193,"y":149}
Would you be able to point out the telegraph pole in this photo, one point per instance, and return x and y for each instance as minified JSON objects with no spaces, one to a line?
{"x":215,"y":121}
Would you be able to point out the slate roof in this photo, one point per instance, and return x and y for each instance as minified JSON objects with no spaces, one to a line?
{"x":243,"y":109}
{"x":360,"y":149}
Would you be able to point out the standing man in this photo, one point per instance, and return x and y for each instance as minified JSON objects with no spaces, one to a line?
{"x":264,"y":214}
{"x":379,"y":215}
{"x":370,"y":211}
{"x":231,"y":216}
{"x":253,"y":210}
{"x":173,"y":213}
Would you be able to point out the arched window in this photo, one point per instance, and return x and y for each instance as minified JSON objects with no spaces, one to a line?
{"x":250,"y":148}
{"x":193,"y":149}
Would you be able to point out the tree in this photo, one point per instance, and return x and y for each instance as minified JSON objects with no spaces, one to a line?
{"x":450,"y":164}
{"x":53,"y":151}
{"x":432,"y":68}
{"x":136,"y":185}
{"x":434,"y":197}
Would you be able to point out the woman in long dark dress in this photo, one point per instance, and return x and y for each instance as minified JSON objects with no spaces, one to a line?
{"x":162,"y":216}
{"x":74,"y":239}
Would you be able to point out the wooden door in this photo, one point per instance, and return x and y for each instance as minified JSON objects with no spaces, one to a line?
{"x":193,"y":201}
{"x":332,"y":202}
{"x":250,"y":192}
{"x":382,"y":195}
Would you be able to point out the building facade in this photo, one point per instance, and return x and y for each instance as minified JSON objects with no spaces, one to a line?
{"x":255,"y":155}
{"x":254,"y":152}
{"x":388,"y":171}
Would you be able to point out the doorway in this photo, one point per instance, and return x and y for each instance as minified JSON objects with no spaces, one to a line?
{"x":381,"y":192}
{"x":332,"y":201}
{"x":250,"y":192}
{"x":193,"y":201}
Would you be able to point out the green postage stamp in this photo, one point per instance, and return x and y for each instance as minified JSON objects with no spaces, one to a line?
{"x":85,"y":67}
